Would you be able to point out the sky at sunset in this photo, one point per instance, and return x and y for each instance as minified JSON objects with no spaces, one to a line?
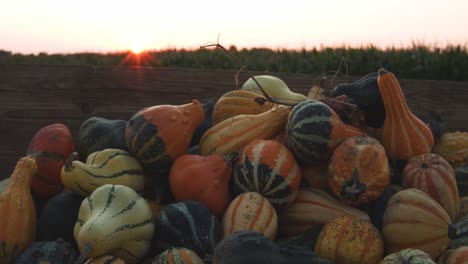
{"x":28,"y":26}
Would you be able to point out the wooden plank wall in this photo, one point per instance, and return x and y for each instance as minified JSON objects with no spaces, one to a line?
{"x":33,"y":96}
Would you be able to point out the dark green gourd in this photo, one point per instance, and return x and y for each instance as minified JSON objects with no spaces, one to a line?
{"x":50,"y":252}
{"x":365,"y":92}
{"x":98,"y":133}
{"x":205,"y":124}
{"x":245,"y":247}
{"x":461,"y":174}
{"x":187,"y":224}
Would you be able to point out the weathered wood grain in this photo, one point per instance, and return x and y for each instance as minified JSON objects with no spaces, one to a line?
{"x":33,"y":96}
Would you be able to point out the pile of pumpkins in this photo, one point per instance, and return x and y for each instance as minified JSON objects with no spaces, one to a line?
{"x":260,"y":175}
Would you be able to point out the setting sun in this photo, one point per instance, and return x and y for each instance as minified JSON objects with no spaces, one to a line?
{"x":137,"y":48}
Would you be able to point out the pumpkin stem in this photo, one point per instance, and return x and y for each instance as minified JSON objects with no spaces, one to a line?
{"x":68,"y":166}
{"x":84,"y":254}
{"x":352,"y":189}
{"x":232,"y":158}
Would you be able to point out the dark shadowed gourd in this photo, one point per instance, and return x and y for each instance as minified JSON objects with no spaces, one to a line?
{"x":49,"y":252}
{"x":205,"y":124}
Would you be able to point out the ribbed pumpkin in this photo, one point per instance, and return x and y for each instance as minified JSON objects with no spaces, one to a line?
{"x":461,"y":175}
{"x":313,"y":207}
{"x":50,"y":146}
{"x":404,"y":135}
{"x":408,"y":256}
{"x":187,"y":224}
{"x":106,"y":259}
{"x":434,"y":176}
{"x":455,"y":256}
{"x":250,"y":211}
{"x":108,"y":166}
{"x":414,"y":220}
{"x":177,"y":256}
{"x":359,"y":170}
{"x":17,"y":212}
{"x":233,"y":134}
{"x":453,"y":147}
{"x":158,"y":135}
{"x":269,"y":168}
{"x":239,"y":102}
{"x":349,"y":239}
{"x":97,"y":133}
{"x":314,"y":131}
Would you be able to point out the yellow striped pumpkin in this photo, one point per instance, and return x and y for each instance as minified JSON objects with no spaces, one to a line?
{"x":454,"y":256}
{"x":348,"y":239}
{"x":233,"y":134}
{"x":404,"y":135}
{"x":250,"y":211}
{"x":108,"y":166}
{"x":414,"y":220}
{"x":238,"y":102}
{"x":313,"y":207}
{"x":269,"y":168}
{"x":433,"y":175}
{"x":17,"y":212}
{"x":177,"y":255}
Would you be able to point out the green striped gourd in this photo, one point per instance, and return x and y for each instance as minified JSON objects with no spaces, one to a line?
{"x":250,"y":211}
{"x":114,"y":220}
{"x":459,"y":229}
{"x":409,"y":255}
{"x":158,"y":135}
{"x":314,"y":131}
{"x":269,"y":168}
{"x":414,"y":220}
{"x":461,"y":175}
{"x":177,"y":255}
{"x":233,"y":134}
{"x":313,"y":207}
{"x":97,"y":133}
{"x":433,"y":175}
{"x":187,"y":224}
{"x":109,"y":166}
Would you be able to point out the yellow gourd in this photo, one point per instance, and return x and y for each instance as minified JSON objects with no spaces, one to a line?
{"x":109,"y":166}
{"x":17,"y":212}
{"x":276,"y":88}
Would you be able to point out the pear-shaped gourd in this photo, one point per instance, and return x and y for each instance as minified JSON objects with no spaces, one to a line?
{"x":114,"y":220}
{"x":276,"y":88}
{"x":158,"y":135}
{"x":204,"y":179}
{"x":109,"y":166}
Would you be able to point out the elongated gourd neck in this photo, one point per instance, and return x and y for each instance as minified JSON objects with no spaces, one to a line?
{"x":392,"y":95}
{"x":21,"y":177}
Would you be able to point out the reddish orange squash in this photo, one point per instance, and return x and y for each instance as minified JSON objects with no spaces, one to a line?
{"x":17,"y":212}
{"x":454,"y":256}
{"x":404,"y":135}
{"x":158,"y":135}
{"x":204,"y":179}
{"x":50,"y":146}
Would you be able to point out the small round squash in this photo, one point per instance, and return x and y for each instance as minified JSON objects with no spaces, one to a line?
{"x":408,"y":256}
{"x":177,"y":256}
{"x":359,"y":170}
{"x":349,"y":239}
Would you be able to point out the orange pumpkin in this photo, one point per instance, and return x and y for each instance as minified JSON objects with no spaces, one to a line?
{"x":404,"y":135}
{"x":359,"y":170}
{"x":204,"y":179}
{"x":17,"y":212}
{"x":348,"y":240}
{"x":433,"y":175}
{"x":50,"y":146}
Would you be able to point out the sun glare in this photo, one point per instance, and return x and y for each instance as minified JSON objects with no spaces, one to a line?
{"x":137,"y":48}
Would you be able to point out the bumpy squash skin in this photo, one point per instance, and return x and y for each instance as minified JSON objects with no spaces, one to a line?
{"x":453,"y":147}
{"x":177,"y":256}
{"x":269,"y":168}
{"x":408,"y":256}
{"x":115,"y":220}
{"x":50,"y":147}
{"x":108,"y":166}
{"x":314,"y":131}
{"x":414,"y":220}
{"x":349,"y":239}
{"x":359,"y":170}
{"x":97,"y":133}
{"x":250,"y":211}
{"x":158,"y":135}
{"x":50,"y":252}
{"x":433,"y":175}
{"x":17,"y":211}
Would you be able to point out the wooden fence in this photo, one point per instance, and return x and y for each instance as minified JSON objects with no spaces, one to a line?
{"x":33,"y":96}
